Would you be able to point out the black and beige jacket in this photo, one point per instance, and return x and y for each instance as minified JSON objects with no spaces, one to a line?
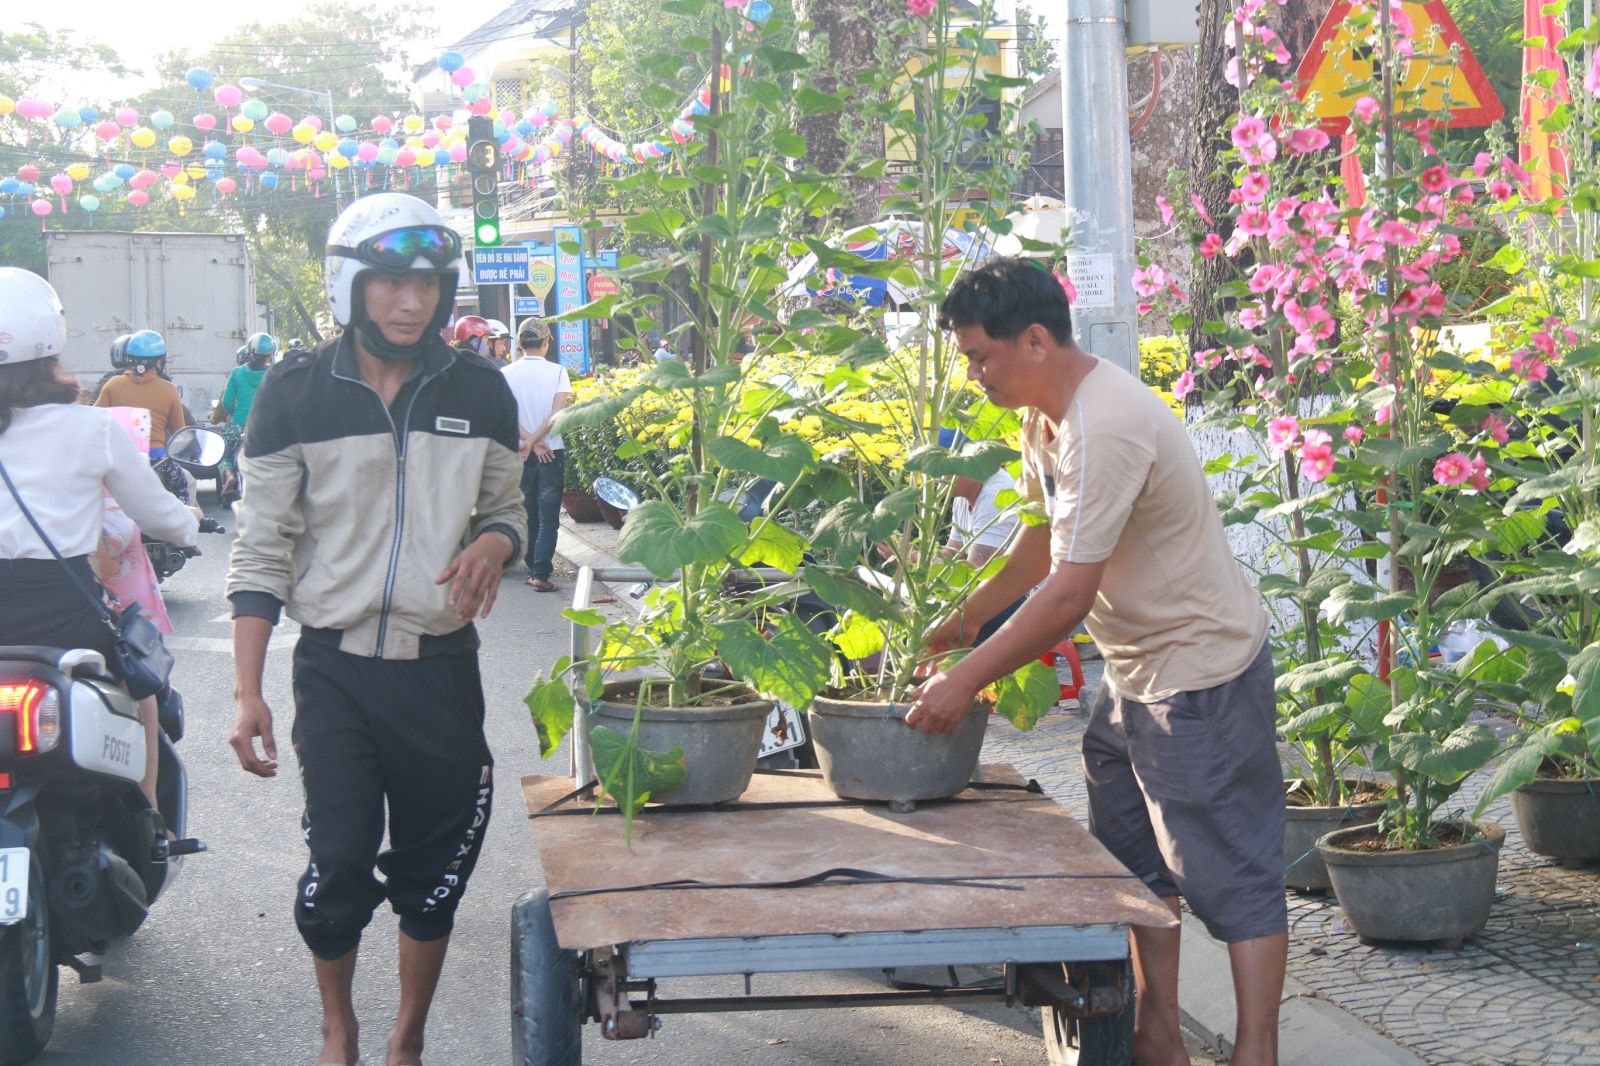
{"x":353,"y":509}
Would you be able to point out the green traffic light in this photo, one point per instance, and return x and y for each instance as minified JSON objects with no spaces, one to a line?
{"x":488,"y":233}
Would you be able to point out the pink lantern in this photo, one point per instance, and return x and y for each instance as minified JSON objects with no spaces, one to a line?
{"x":458,"y":153}
{"x":28,"y":173}
{"x":143,"y":179}
{"x":228,"y":95}
{"x":383,"y":123}
{"x":279,"y":123}
{"x":430,"y":139}
{"x":127,"y":117}
{"x":205,"y":121}
{"x":29,"y":107}
{"x":107,"y":131}
{"x":368,"y":152}
{"x":170,"y":170}
{"x":61,"y":184}
{"x":405,"y":157}
{"x":481,"y":106}
{"x":443,"y":122}
{"x":42,"y":208}
{"x":314,"y":122}
{"x":226,"y":185}
{"x":463,"y":77}
{"x":138,"y":198}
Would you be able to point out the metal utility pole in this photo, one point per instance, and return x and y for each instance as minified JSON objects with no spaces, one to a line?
{"x":1099,"y":179}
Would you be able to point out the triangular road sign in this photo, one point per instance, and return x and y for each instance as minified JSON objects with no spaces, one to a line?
{"x":1336,"y":58}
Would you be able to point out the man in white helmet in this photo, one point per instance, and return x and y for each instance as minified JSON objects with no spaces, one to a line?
{"x":384,"y":503}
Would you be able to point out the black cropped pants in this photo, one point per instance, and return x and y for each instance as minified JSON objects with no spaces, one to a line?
{"x":397,"y":737}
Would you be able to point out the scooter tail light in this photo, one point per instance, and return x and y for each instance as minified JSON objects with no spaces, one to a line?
{"x":35,"y":709}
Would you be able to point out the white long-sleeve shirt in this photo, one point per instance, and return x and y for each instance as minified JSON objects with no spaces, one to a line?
{"x":64,"y":459}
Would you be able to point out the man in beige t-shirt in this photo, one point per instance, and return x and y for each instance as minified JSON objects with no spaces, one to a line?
{"x":1180,"y":754}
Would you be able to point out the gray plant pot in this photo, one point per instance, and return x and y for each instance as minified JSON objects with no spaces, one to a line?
{"x":1560,"y":818}
{"x":1441,"y":894}
{"x":867,"y":752}
{"x":719,"y":744}
{"x":1303,"y":867}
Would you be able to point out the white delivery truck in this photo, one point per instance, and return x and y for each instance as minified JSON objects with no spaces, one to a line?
{"x":197,"y":290}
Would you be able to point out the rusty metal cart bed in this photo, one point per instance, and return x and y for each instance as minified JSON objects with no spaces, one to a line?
{"x":791,"y":879}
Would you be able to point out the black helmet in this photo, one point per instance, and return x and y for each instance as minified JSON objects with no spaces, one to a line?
{"x":119,"y":352}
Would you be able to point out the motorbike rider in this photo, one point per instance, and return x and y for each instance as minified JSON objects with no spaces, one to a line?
{"x":498,"y":339}
{"x":238,"y":395}
{"x":389,"y":706}
{"x":142,"y":385}
{"x":64,"y":458}
{"x":470,"y":334}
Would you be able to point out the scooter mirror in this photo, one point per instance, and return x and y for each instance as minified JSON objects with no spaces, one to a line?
{"x":196,"y":447}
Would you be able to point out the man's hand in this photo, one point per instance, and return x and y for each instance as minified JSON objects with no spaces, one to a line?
{"x":946,"y":635}
{"x":474,"y":574}
{"x":544,"y":452}
{"x":940,"y":705}
{"x":524,"y":450}
{"x":254,"y":719}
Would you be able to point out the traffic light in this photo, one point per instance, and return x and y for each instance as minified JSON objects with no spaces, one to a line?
{"x":483,"y":167}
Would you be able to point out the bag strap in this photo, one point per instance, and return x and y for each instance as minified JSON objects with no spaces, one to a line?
{"x":99,"y":602}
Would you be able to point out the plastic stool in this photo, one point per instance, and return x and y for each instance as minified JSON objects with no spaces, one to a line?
{"x":1068,"y":651}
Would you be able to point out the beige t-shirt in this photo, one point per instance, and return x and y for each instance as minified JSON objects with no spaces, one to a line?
{"x":1123,"y":485}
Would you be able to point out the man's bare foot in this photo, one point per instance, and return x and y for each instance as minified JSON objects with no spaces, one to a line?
{"x":341,"y":1043}
{"x":403,"y":1052}
{"x":1153,"y":1050}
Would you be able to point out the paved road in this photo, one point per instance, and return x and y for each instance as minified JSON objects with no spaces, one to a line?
{"x":219,"y":976}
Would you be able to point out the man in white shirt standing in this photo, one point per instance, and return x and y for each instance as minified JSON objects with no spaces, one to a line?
{"x":542,"y":389}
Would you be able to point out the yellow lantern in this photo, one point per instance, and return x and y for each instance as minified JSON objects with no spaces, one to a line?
{"x":243,"y":124}
{"x":425,"y":157}
{"x":338,"y":162}
{"x":303,"y":132}
{"x":78,"y":171}
{"x":180,"y":146}
{"x":195,"y":171}
{"x":7,"y":105}
{"x":143,"y":137}
{"x":182,"y":192}
{"x":325,"y":141}
{"x":180,"y":178}
{"x":413,"y":124}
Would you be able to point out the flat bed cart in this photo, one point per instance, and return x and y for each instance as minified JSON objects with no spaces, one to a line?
{"x":792,"y":879}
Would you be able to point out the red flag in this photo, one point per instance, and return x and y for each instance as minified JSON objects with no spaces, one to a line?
{"x":1540,"y":152}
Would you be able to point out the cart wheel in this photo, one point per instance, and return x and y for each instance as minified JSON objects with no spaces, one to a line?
{"x":546,"y":994}
{"x":1103,"y":1040}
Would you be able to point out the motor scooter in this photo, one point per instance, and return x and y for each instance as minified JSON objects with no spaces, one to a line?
{"x":192,"y":451}
{"x":82,"y":853}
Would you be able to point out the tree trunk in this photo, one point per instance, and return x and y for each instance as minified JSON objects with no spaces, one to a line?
{"x":849,"y":32}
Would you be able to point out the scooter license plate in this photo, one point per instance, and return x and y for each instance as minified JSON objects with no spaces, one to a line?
{"x":786,"y":728}
{"x":13,"y":885}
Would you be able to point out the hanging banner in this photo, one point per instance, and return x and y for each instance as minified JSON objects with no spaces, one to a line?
{"x":541,"y":277}
{"x":572,"y":338}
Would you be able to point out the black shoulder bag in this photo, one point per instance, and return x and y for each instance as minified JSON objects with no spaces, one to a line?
{"x":142,"y":657}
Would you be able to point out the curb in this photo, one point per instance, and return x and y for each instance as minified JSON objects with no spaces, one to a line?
{"x":1309,"y":1027}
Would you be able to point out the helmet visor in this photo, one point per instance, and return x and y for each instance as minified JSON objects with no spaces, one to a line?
{"x":397,"y":249}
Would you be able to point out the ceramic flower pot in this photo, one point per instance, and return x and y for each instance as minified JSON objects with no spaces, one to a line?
{"x":1560,"y":819}
{"x":867,"y":752}
{"x":1441,"y":894}
{"x":1303,"y":867}
{"x":719,"y":743}
{"x":580,"y":506}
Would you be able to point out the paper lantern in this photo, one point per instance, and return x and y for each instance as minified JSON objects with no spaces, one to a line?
{"x":383,"y":123}
{"x":461,"y":77}
{"x":451,"y":61}
{"x":228,"y":95}
{"x":138,"y":197}
{"x":180,"y":146}
{"x":254,"y":110}
{"x":107,"y":131}
{"x":345,"y":124}
{"x":143,"y":137}
{"x":127,"y":117}
{"x":183,"y":193}
{"x":325,"y":141}
{"x":41,"y":207}
{"x":303,"y":133}
{"x":205,"y":121}
{"x":162,"y":120}
{"x":279,"y":123}
{"x":226,"y":185}
{"x":89,"y":202}
{"x":243,"y":125}
{"x":7,"y":105}
{"x":199,"y":78}
{"x":78,"y":171}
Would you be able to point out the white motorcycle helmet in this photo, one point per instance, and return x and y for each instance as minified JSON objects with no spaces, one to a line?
{"x":32,"y":322}
{"x":392,"y":233}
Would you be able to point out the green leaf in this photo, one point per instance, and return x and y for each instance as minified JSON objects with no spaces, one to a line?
{"x":978,"y":460}
{"x":658,"y":222}
{"x":846,"y":593}
{"x":1585,"y":670}
{"x":892,"y":512}
{"x":1309,"y":676}
{"x":789,"y":143}
{"x":584,"y":618}
{"x":658,"y":538}
{"x":1445,"y":761}
{"x":1322,"y":718}
{"x":595,"y":412}
{"x":1024,"y":696}
{"x":857,"y":636}
{"x":843,"y":528}
{"x":781,"y":60}
{"x":790,"y":664}
{"x":812,"y":102}
{"x":605,"y":307}
{"x":629,"y":774}
{"x":1356,"y":600}
{"x":775,"y":545}
{"x":1518,"y":768}
{"x":1367,"y":702}
{"x":551,"y":707}
{"x":783,"y":460}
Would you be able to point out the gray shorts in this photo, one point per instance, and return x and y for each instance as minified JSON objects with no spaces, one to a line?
{"x":1187,"y":792}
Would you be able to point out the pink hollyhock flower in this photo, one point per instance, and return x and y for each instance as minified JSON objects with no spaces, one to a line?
{"x":1495,"y":426}
{"x":1452,"y":468}
{"x":1435,"y":179}
{"x":1500,"y":190}
{"x":1209,"y":358}
{"x":1528,"y":365}
{"x":1252,"y":222}
{"x":1307,"y":140}
{"x":1384,"y":413}
{"x":1366,"y":109}
{"x":1255,"y":186}
{"x":1514,"y":172}
{"x":920,"y":8}
{"x":1316,"y":455}
{"x":1149,"y":280}
{"x":1200,"y":208}
{"x":1393,"y":232}
{"x":1068,"y":287}
{"x":1210,"y":245}
{"x":1183,"y":386}
{"x":1591,"y":80}
{"x":1544,"y":344}
{"x":1247,"y":131}
{"x":1482,"y":164}
{"x":1354,"y":434}
{"x":1480,"y":472}
{"x":1166,"y":210}
{"x":1281,"y":434}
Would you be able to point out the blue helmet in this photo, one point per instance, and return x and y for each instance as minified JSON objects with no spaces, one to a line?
{"x":145,"y":344}
{"x":261,"y":345}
